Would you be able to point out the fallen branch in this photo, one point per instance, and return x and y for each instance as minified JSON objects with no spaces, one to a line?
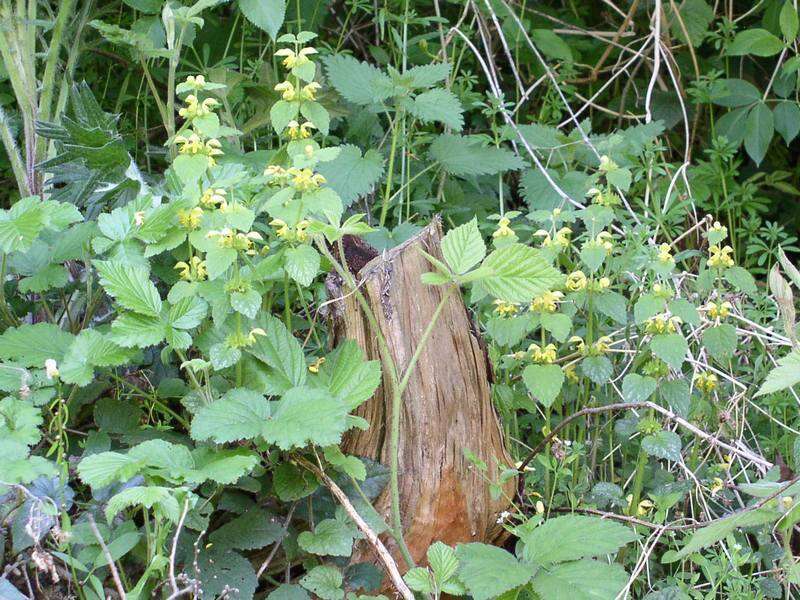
{"x":108,"y":557}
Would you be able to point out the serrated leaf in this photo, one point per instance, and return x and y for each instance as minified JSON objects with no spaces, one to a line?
{"x":784,"y":376}
{"x":741,"y":279}
{"x":438,"y":105}
{"x":597,"y":368}
{"x":280,"y":350}
{"x":247,"y":303}
{"x":357,"y":82}
{"x":463,"y":247}
{"x":352,"y":175}
{"x":580,"y":580}
{"x":302,"y":264}
{"x":636,"y":388}
{"x":19,"y":421}
{"x":671,"y":348}
{"x":720,"y":341}
{"x":544,"y":382}
{"x":306,"y":415}
{"x":464,"y":155}
{"x":155,"y":497}
{"x":251,"y":530}
{"x":31,"y":345}
{"x":91,"y":349}
{"x":564,"y":538}
{"x":488,"y":571}
{"x":663,"y":444}
{"x":325,"y":582}
{"x":330,"y":537}
{"x":558,"y":324}
{"x":518,"y":273}
{"x":104,"y":468}
{"x":239,"y":415}
{"x":346,"y":374}
{"x":130,"y":286}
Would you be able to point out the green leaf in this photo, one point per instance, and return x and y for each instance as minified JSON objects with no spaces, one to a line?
{"x":352,"y":175}
{"x":357,"y":82}
{"x":756,"y":42}
{"x":280,"y":350}
{"x":316,"y":113}
{"x":614,"y":305}
{"x":696,"y":16}
{"x":265,"y":14}
{"x":564,"y":538}
{"x":419,"y":579}
{"x":222,"y":569}
{"x":131,"y":330}
{"x":21,"y":224}
{"x":465,"y":155}
{"x":544,"y":382}
{"x":559,"y":325}
{"x":721,"y":528}
{"x":351,"y":466}
{"x":19,"y":421}
{"x":158,"y":498}
{"x":190,"y":167}
{"x":91,"y":349}
{"x":488,"y":571}
{"x":281,"y":113}
{"x":251,"y":530}
{"x":442,"y":559}
{"x":597,"y":368}
{"x":302,"y":264}
{"x":330,"y":537}
{"x":636,"y":388}
{"x":423,"y":76}
{"x":741,"y":279}
{"x":580,"y":580}
{"x":130,"y":286}
{"x":720,"y":341}
{"x":438,"y":105}
{"x":735,"y":92}
{"x":187,"y":313}
{"x":518,"y":273}
{"x":306,"y":415}
{"x":288,"y":591}
{"x":104,"y":468}
{"x":758,"y":131}
{"x":663,"y":444}
{"x":31,"y":345}
{"x":671,"y":348}
{"x":225,"y":467}
{"x":247,"y":303}
{"x":346,"y":374}
{"x":551,"y":45}
{"x":788,"y":21}
{"x":219,"y":260}
{"x":463,"y":247}
{"x":784,"y":376}
{"x":787,"y":119}
{"x":325,"y":582}
{"x":239,"y":415}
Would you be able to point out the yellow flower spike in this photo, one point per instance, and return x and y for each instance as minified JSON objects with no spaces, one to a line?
{"x":718,"y":310}
{"x":578,"y":342}
{"x":644,"y":507}
{"x":213,"y":196}
{"x":576,"y":281}
{"x":309,"y":91}
{"x":503,"y":230}
{"x":282,"y":229}
{"x":314,"y":367}
{"x":300,"y":230}
{"x":198,"y":82}
{"x":563,"y":237}
{"x":505,"y":309}
{"x":547,"y":302}
{"x":189,"y":145}
{"x":605,"y":240}
{"x":571,"y":373}
{"x":288,"y":92}
{"x":546,"y":355}
{"x":546,"y":239}
{"x":604,"y":283}
{"x":665,"y":254}
{"x":185,"y":270}
{"x":718,"y":227}
{"x":194,"y":270}
{"x":602,"y":345}
{"x":720,"y":257}
{"x":294,"y":59}
{"x":190,"y":219}
{"x":706,"y":382}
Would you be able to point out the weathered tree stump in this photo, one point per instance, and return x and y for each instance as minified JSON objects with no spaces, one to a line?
{"x":447,"y":405}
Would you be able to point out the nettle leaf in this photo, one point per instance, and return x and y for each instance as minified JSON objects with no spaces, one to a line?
{"x":330,"y":537}
{"x":671,"y":348}
{"x":131,"y":330}
{"x":756,"y":42}
{"x":280,"y":350}
{"x":346,"y":374}
{"x":508,"y":331}
{"x":466,"y":155}
{"x":597,"y":368}
{"x":423,"y":76}
{"x":325,"y":582}
{"x":564,"y":538}
{"x":31,"y":345}
{"x":636,"y":388}
{"x":438,"y":105}
{"x":302,"y":264}
{"x":357,"y":82}
{"x":130,"y":286}
{"x":518,"y":273}
{"x":463,"y":247}
{"x":614,"y":305}
{"x":784,"y":376}
{"x":239,"y":415}
{"x":251,"y":530}
{"x":265,"y":14}
{"x":352,"y":175}
{"x":663,"y":444}
{"x":489,"y":571}
{"x":580,"y":580}
{"x":544,"y":382}
{"x":720,"y":341}
{"x":247,"y":303}
{"x":305,"y":415}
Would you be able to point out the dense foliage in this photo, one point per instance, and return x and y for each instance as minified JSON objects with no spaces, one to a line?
{"x":618,"y":181}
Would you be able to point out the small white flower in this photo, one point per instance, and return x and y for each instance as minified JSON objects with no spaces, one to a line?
{"x":51,"y":368}
{"x":138,"y":218}
{"x":503,"y":516}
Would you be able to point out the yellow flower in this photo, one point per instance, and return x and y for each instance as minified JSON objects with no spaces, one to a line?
{"x":601,"y":198}
{"x":706,"y":382}
{"x":602,"y":345}
{"x":241,"y":242}
{"x":546,"y":355}
{"x":198,"y":82}
{"x":503,"y":230}
{"x":606,"y":164}
{"x":505,"y":309}
{"x":605,"y":240}
{"x":305,"y":180}
{"x":194,"y":270}
{"x":195,"y":108}
{"x":547,"y":302}
{"x":288,"y":92}
{"x":300,"y":230}
{"x":308,"y":92}
{"x":282,"y":229}
{"x":576,"y":281}
{"x":314,"y":367}
{"x":189,"y":145}
{"x":295,"y":59}
{"x":561,"y":239}
{"x":212,"y":149}
{"x":296,"y":131}
{"x":662,"y":324}
{"x":571,"y":373}
{"x":718,"y":310}
{"x":644,"y":507}
{"x":599,"y":285}
{"x":720,"y":257}
{"x":716,"y":486}
{"x":190,"y":219}
{"x":665,"y":254}
{"x":578,"y":342}
{"x":718,"y":227}
{"x":213,"y":196}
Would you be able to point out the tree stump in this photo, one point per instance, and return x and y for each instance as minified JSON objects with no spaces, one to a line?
{"x":447,"y":405}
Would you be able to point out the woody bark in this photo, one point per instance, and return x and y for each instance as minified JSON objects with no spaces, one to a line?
{"x":446,"y":407}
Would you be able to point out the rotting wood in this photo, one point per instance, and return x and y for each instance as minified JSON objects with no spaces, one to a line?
{"x":447,"y":405}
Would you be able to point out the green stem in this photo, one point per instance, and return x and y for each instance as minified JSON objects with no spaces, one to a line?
{"x":389,"y":174}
